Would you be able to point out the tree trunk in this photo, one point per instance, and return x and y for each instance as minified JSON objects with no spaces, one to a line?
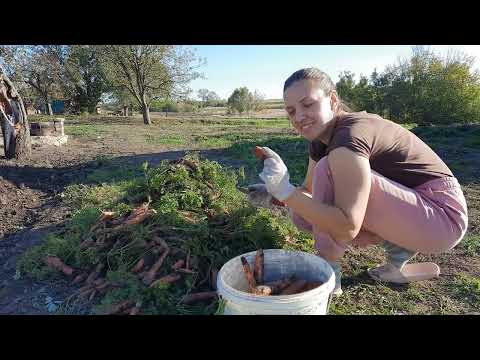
{"x":49,"y":108}
{"x":125,"y":110}
{"x":146,"y":113}
{"x":13,"y":121}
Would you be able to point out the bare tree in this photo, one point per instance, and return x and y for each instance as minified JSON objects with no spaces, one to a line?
{"x":13,"y":120}
{"x":149,"y":72}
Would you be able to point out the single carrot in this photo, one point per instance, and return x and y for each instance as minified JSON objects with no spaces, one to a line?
{"x":258,"y":268}
{"x":213,"y":278}
{"x":153,"y":271}
{"x":248,"y":274}
{"x":134,"y":311}
{"x":294,"y":288}
{"x":106,"y":215}
{"x":200,"y":296}
{"x":115,"y":309}
{"x":94,"y":292}
{"x":279,"y":285}
{"x":259,"y":153}
{"x":79,"y":278}
{"x":95,"y":274}
{"x":138,"y":266}
{"x":187,"y":261}
{"x":100,"y":288}
{"x":178,"y":264}
{"x":86,"y":293}
{"x":86,"y":243}
{"x":263,"y":290}
{"x":56,"y":263}
{"x":167,"y":279}
{"x":99,"y":282}
{"x":185,"y":271}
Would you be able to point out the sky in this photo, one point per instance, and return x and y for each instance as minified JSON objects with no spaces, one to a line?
{"x":265,"y":67}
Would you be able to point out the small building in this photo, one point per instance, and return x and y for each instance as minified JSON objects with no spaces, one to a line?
{"x":58,"y":106}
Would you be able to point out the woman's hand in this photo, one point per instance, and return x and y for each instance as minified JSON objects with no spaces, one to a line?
{"x":275,"y":175}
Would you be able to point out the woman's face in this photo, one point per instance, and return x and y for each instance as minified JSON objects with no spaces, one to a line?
{"x":308,"y":108}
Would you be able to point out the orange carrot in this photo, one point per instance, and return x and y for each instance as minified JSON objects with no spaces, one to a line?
{"x":294,"y":288}
{"x":138,"y":215}
{"x":56,"y":263}
{"x":258,"y":151}
{"x":86,"y":293}
{"x":167,"y":279}
{"x":79,"y":278}
{"x":279,"y":285}
{"x":95,"y":274}
{"x":248,"y":274}
{"x":187,"y":261}
{"x":185,"y":271}
{"x":134,"y":311}
{"x":213,"y":277}
{"x":179,"y":264}
{"x":115,"y":309}
{"x":106,"y":215}
{"x":138,"y":266}
{"x":200,"y":296}
{"x":263,"y":290}
{"x":153,"y":271}
{"x":86,"y":243}
{"x":258,"y":268}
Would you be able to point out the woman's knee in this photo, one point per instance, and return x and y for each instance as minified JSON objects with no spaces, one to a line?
{"x":322,"y":182}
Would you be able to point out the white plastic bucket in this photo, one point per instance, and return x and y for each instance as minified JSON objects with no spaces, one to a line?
{"x":232,"y":285}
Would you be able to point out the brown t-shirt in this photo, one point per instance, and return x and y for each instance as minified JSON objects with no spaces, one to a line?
{"x":393,"y":151}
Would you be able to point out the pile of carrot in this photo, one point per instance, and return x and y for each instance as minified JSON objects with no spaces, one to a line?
{"x":93,"y":282}
{"x":287,"y":286}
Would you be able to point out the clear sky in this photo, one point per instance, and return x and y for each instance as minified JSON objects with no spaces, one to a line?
{"x":266,"y":67}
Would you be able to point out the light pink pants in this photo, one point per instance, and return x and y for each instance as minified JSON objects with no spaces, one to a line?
{"x":431,"y":218}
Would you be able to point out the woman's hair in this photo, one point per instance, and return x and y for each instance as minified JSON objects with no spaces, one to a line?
{"x":326,"y":84}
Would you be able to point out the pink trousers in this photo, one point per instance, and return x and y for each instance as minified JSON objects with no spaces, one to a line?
{"x":431,"y":218}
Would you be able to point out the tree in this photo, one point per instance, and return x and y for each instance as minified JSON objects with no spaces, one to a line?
{"x":203,"y":94}
{"x":39,"y":67}
{"x":149,"y":72}
{"x":241,"y":100}
{"x":13,"y":120}
{"x":86,"y":79}
{"x":258,"y":101}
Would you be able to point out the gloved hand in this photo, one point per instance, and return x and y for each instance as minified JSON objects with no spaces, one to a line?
{"x":275,"y":175}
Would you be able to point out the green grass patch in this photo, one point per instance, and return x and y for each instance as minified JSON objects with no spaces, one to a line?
{"x":471,"y":244}
{"x":468,"y":288}
{"x":165,"y":139}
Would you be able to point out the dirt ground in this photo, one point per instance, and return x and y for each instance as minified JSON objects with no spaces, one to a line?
{"x":31,"y":207}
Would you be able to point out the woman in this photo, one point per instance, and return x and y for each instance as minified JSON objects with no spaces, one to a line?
{"x":369,"y":181}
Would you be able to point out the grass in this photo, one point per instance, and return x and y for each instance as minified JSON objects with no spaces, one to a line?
{"x":455,"y":292}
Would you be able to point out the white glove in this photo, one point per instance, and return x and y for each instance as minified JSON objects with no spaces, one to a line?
{"x":275,"y":175}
